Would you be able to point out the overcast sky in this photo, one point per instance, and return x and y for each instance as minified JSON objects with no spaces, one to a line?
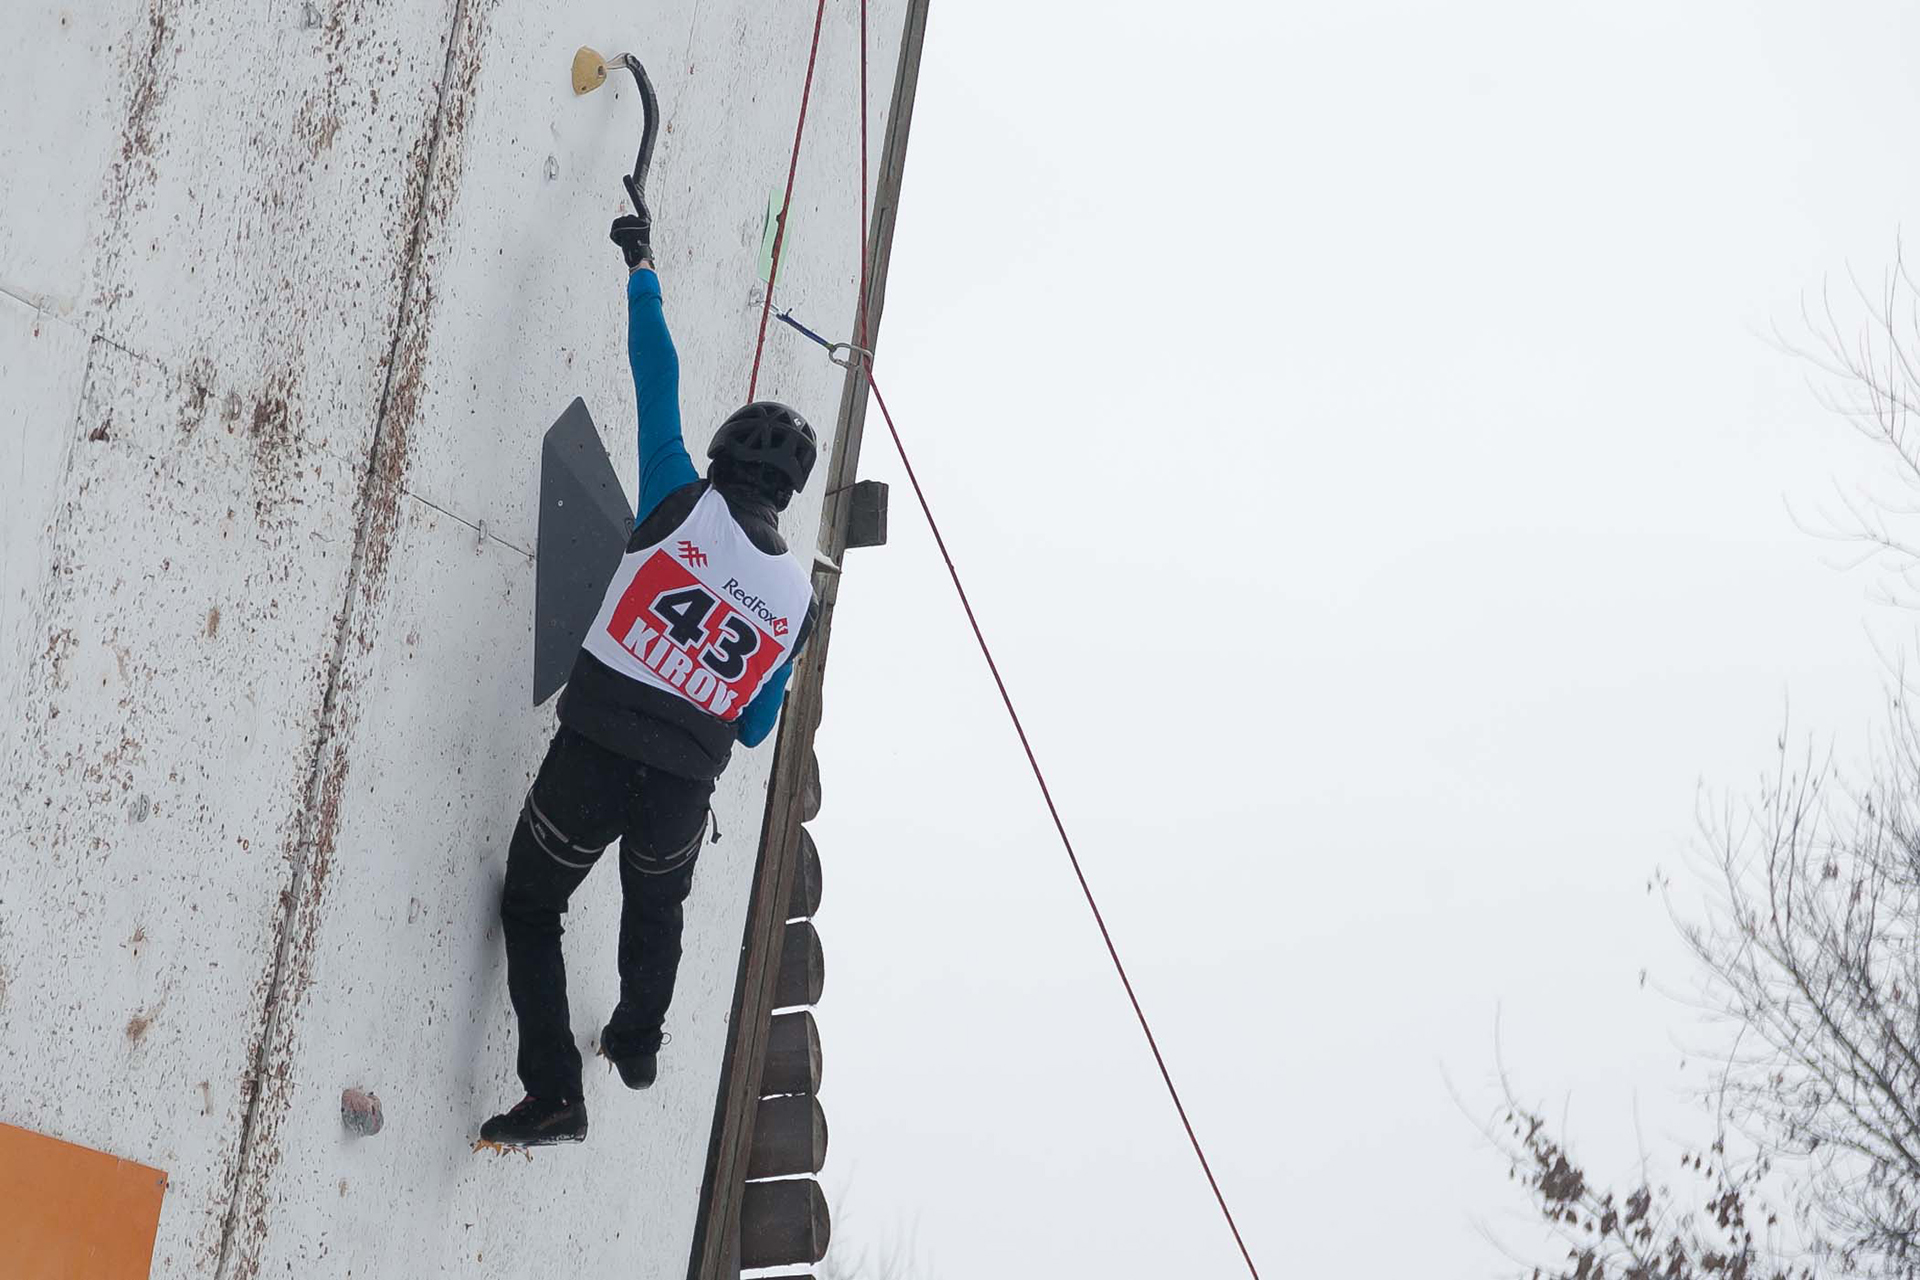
{"x":1358,"y":430}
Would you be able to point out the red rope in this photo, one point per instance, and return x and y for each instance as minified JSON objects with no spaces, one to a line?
{"x":860,"y":321}
{"x":780,"y":229}
{"x":1038,"y":776}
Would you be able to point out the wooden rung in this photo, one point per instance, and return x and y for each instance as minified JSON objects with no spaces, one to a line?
{"x":793,"y":1054}
{"x":783,"y":1223}
{"x":789,"y":1137}
{"x":805,"y":903}
{"x":810,"y":788}
{"x":803,"y":967}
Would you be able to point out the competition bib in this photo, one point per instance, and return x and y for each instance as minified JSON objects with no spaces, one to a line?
{"x":704,"y":614}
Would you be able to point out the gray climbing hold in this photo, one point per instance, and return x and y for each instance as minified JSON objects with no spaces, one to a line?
{"x":360,"y":1112}
{"x":584,"y":525}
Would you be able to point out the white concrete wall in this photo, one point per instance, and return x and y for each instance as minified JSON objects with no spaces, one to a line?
{"x":284,"y":310}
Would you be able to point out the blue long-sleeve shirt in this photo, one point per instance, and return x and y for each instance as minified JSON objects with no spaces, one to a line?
{"x":664,"y":462}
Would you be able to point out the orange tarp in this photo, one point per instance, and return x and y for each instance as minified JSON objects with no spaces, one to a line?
{"x":67,"y":1213}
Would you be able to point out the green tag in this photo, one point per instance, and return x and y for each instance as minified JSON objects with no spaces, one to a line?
{"x":768,"y":229}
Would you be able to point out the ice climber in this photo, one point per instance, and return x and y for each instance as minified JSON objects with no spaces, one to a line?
{"x":690,"y":652}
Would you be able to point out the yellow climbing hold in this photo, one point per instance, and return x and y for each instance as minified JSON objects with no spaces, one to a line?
{"x":589,"y":70}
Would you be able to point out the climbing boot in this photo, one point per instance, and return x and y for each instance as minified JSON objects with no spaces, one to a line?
{"x":635,"y":1057}
{"x":538,"y":1122}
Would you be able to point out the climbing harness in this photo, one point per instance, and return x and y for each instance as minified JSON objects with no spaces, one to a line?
{"x":547,"y":834}
{"x":651,"y":864}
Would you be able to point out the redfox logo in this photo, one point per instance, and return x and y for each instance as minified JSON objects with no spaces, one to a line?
{"x":754,"y":605}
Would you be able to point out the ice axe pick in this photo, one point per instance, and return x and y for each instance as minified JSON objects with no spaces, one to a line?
{"x":589,"y":73}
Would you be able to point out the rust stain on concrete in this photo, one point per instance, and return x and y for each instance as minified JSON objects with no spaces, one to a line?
{"x":434,"y":177}
{"x":193,"y":408}
{"x":434,"y":170}
{"x":134,"y":165}
{"x":136,"y":140}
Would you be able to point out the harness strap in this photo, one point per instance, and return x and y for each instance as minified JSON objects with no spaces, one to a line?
{"x":552,"y":840}
{"x":667,"y":863}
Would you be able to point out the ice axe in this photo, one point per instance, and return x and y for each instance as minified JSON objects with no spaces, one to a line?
{"x":584,"y":517}
{"x":589,"y":73}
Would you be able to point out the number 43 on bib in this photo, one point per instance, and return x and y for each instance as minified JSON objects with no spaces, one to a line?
{"x":708,"y":619}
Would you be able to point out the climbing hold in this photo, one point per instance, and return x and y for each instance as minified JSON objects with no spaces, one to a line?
{"x":360,"y":1112}
{"x":583,"y":528}
{"x":589,"y":70}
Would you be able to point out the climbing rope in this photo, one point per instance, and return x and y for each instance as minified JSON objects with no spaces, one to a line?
{"x":860,"y":318}
{"x":864,"y":359}
{"x":780,"y":227}
{"x":857,"y":352}
{"x":1046,"y":793}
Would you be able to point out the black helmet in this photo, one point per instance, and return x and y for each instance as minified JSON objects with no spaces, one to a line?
{"x":768,"y":434}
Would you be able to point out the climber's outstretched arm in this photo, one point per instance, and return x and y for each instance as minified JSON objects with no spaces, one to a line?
{"x":664,"y":464}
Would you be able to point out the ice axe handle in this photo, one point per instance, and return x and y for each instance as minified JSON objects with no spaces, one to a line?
{"x":636,"y":183}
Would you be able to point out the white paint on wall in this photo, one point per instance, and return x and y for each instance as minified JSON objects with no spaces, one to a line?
{"x":291,"y":295}
{"x":41,"y":363}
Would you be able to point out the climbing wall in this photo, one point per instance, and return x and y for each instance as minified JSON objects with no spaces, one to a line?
{"x":288,"y":294}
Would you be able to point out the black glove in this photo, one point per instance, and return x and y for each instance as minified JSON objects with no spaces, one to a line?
{"x":634,"y":235}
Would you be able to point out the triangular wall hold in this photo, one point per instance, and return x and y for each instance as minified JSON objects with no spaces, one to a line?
{"x":584,"y":525}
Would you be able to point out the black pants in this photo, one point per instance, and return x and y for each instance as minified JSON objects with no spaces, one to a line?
{"x":585,"y":798}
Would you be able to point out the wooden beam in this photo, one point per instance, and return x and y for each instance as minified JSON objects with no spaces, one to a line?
{"x":789,"y":1137}
{"x":720,"y":1217}
{"x":783,"y":1223}
{"x":793,"y":1055}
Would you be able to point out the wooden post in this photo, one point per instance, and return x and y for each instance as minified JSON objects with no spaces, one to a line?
{"x":794,"y":794}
